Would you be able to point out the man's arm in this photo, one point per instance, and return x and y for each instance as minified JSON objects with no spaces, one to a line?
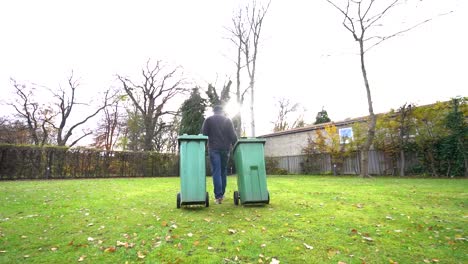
{"x":204,"y":129}
{"x":232,"y":132}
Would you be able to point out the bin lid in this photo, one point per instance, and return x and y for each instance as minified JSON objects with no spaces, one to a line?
{"x":248,"y":140}
{"x":192,"y":137}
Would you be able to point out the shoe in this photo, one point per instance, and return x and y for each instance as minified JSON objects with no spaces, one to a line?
{"x":219,"y":201}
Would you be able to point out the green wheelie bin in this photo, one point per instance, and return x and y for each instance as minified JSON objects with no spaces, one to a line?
{"x":249,"y":159}
{"x":192,"y":170}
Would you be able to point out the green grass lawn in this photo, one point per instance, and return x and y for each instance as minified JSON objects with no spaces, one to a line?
{"x":311,"y":219}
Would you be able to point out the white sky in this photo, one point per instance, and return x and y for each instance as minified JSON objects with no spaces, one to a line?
{"x":306,"y":55}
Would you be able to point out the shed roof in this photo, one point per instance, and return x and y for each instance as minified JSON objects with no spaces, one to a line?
{"x":315,"y":127}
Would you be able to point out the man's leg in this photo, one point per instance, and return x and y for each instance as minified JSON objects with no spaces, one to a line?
{"x":224,"y":164}
{"x":215,"y":161}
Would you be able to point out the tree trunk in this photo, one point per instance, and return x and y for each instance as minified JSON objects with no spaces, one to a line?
{"x":238,"y":118}
{"x":149,"y":132}
{"x":402,"y":163}
{"x":372,"y":119}
{"x":252,"y":114}
{"x":432,"y":162}
{"x":237,"y":122}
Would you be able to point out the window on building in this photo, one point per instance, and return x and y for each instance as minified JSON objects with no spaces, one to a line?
{"x":346,"y":135}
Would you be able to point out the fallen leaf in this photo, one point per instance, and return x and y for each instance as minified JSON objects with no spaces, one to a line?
{"x":174,"y":226}
{"x":163,"y":223}
{"x":24,"y":236}
{"x":110,"y":249}
{"x":359,"y":205}
{"x":125,"y":244}
{"x":207,"y":220}
{"x":260,"y":260}
{"x":90,"y":224}
{"x":389,"y":217}
{"x":190,"y":235}
{"x":26,"y":256}
{"x":397,"y":231}
{"x":232,"y":231}
{"x":90,"y":239}
{"x":210,"y":248}
{"x":157,"y":244}
{"x":71,"y":243}
{"x":54,"y":249}
{"x":366,"y":238}
{"x":274,"y":261}
{"x":263,"y":245}
{"x":195,"y":243}
{"x":81,"y":258}
{"x":3,"y":251}
{"x":140,"y":255}
{"x":435,"y":260}
{"x":341,"y":262}
{"x":332,"y":252}
{"x":308,"y":247}
{"x":247,"y":219}
{"x":426,"y":261}
{"x":119,"y":244}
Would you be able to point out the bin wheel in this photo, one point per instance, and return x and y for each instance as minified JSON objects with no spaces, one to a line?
{"x":178,"y":200}
{"x":236,"y":197}
{"x":268,"y":201}
{"x":207,"y":200}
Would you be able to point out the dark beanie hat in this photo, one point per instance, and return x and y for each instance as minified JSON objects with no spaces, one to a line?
{"x":218,"y":109}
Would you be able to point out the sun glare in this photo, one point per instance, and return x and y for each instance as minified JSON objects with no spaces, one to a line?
{"x":231,"y":109}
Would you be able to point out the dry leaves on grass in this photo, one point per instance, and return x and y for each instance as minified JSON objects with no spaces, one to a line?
{"x":125,"y":244}
{"x":140,"y":255}
{"x":274,"y":261}
{"x":308,"y":246}
{"x":110,"y":250}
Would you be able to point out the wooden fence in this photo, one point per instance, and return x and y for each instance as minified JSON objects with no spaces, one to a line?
{"x":379,"y":164}
{"x":25,"y":162}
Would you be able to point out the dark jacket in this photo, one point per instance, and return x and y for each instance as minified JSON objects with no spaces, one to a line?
{"x":220,"y":132}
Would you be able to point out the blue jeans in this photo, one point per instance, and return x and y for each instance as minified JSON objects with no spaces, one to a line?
{"x":219,"y":161}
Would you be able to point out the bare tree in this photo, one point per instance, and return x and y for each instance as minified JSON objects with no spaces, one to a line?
{"x":238,"y":33}
{"x":404,"y":120}
{"x":65,"y":102}
{"x":13,"y":132}
{"x":219,"y":99}
{"x":245,"y":35}
{"x":36,"y":116}
{"x":150,"y":97}
{"x":108,"y":130}
{"x":285,"y":108}
{"x":361,"y":18}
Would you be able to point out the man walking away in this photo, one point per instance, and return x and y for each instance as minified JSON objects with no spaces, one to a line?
{"x":221,"y":136}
